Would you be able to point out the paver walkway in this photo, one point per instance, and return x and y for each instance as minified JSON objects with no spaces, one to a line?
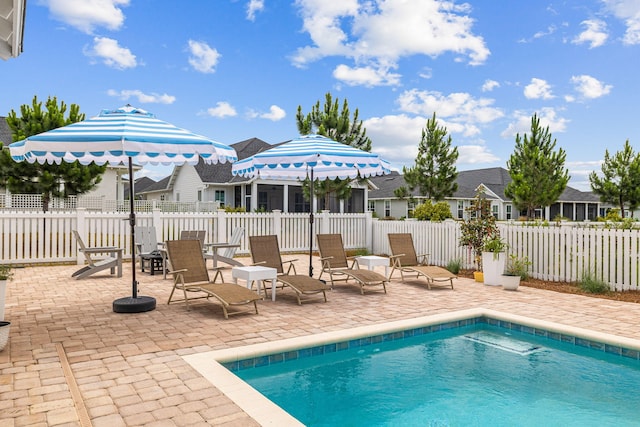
{"x":71,"y":361}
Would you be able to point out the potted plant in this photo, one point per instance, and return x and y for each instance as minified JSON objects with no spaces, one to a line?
{"x":6,"y":273}
{"x":493,"y":258}
{"x":480,"y":224}
{"x":516,"y":270}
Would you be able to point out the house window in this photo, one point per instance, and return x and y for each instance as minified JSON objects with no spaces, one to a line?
{"x":177,"y":197}
{"x":460,"y":209}
{"x":411,"y":206}
{"x":508,"y":210}
{"x":387,"y":208}
{"x":163,"y":197}
{"x":199,"y":195}
{"x":247,"y":197}
{"x":371,"y":205}
{"x":219,"y":197}
{"x":494,"y":211}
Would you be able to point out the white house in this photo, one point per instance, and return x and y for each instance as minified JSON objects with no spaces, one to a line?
{"x":216,"y":183}
{"x":573,"y":204}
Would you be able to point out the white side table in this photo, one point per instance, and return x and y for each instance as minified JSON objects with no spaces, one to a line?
{"x":256,"y":273}
{"x":370,"y":261}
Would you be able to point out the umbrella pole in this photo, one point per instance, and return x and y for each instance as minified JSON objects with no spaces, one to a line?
{"x":311,"y":197}
{"x":134,"y":304}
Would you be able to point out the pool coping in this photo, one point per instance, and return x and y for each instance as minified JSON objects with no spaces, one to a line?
{"x":265,"y":412}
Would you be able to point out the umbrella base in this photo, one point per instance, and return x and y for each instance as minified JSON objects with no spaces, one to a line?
{"x":134,"y":305}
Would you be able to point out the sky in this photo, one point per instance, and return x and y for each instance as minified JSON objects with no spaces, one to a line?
{"x":237,"y":69}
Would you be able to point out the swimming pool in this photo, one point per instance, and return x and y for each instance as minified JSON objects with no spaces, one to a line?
{"x":459,"y":344}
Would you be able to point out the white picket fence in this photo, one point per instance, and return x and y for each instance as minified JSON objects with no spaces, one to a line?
{"x":557,"y":253}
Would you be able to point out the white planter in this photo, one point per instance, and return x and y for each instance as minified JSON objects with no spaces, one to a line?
{"x":493,"y":267}
{"x":3,"y":293}
{"x":510,"y":283}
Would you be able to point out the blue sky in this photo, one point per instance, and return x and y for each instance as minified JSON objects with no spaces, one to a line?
{"x":237,"y":69}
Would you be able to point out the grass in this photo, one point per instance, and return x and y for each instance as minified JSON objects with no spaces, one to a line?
{"x":454,"y":266}
{"x":589,"y":283}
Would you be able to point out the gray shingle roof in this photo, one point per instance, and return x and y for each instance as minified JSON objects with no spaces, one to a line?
{"x":221,"y":173}
{"x":495,"y":179}
{"x":6,"y":137}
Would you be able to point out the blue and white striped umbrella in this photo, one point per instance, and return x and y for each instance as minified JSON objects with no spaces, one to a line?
{"x":115,"y":136}
{"x":328,"y":159}
{"x":315,"y":157}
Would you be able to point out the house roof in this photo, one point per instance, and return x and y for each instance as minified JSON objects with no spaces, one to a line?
{"x":6,"y":136}
{"x":494,"y":179}
{"x":162,"y":185}
{"x":140,"y":185}
{"x":221,"y":173}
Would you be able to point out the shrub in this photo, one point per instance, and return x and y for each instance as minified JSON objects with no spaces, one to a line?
{"x":517,"y":267}
{"x":427,"y":211}
{"x":589,"y":283}
{"x":6,"y":272}
{"x":454,"y":266}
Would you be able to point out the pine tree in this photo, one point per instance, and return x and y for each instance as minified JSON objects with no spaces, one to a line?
{"x":434,"y":172}
{"x":620,"y":183}
{"x":45,"y":179}
{"x":334,"y":123}
{"x":537,"y":171}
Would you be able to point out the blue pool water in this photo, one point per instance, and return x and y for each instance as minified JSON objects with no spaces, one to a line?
{"x":480,"y":375}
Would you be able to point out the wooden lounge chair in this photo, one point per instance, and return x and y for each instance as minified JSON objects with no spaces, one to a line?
{"x":193,"y":235}
{"x":149,"y":251}
{"x":265,"y":251}
{"x":190,"y":276}
{"x":98,"y":259}
{"x":404,"y":258}
{"x":224,"y":252}
{"x":335,"y":262}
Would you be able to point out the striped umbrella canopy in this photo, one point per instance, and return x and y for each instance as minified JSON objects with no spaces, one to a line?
{"x":315,"y":157}
{"x":120,"y":136}
{"x":317,"y":154}
{"x":117,"y":135}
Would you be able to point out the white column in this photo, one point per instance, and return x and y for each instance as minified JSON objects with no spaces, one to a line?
{"x":285,"y":198}
{"x":254,"y":196}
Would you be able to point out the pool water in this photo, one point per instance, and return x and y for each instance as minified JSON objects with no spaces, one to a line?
{"x":479,"y":375}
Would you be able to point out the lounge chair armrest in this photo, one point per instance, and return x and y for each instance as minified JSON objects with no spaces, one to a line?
{"x":259,"y":263}
{"x":103,"y":249}
{"x":423,"y":258}
{"x":326,"y":258}
{"x":392,"y":257}
{"x":291,"y":266}
{"x":182,"y":270}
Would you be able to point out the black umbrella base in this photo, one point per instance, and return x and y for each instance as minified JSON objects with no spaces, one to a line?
{"x":134,"y":305}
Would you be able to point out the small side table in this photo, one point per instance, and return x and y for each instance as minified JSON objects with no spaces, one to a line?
{"x":256,"y":273}
{"x":370,"y":261}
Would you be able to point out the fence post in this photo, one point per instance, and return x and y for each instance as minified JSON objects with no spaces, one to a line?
{"x":81,"y":228}
{"x":324,"y":222}
{"x":277,"y":223}
{"x":368,"y":231}
{"x":222,"y":226}
{"x":156,"y":221}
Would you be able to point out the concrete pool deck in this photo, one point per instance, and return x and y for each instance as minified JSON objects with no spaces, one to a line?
{"x":71,"y":361}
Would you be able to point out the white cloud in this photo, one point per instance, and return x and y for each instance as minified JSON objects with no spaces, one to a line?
{"x":86,"y":15}
{"x":459,"y":108}
{"x":538,"y":89}
{"x":595,"y":33}
{"x":475,"y":154}
{"x":590,"y":87}
{"x":629,"y":12}
{"x":377,"y":35}
{"x":144,"y":98}
{"x":203,"y":57}
{"x":522,"y":122}
{"x":275,"y":114}
{"x":254,"y":6}
{"x":490,"y":85}
{"x":580,"y":171}
{"x":221,"y":110}
{"x":111,"y":53}
{"x":365,"y":76}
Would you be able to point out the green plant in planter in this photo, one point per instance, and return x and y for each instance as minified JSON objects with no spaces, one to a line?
{"x":480,"y":224}
{"x":6,"y":272}
{"x":494,"y":244}
{"x":517,"y":267}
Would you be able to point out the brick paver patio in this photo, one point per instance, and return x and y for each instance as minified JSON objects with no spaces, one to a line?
{"x":71,"y":361}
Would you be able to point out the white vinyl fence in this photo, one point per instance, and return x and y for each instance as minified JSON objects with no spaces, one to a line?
{"x":557,"y":252}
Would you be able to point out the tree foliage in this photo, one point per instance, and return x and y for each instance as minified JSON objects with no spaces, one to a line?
{"x":479,"y":226}
{"x":537,"y":171}
{"x":428,"y":211}
{"x":434,"y":172}
{"x":45,"y":179}
{"x":620,"y":181}
{"x":333,"y":122}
